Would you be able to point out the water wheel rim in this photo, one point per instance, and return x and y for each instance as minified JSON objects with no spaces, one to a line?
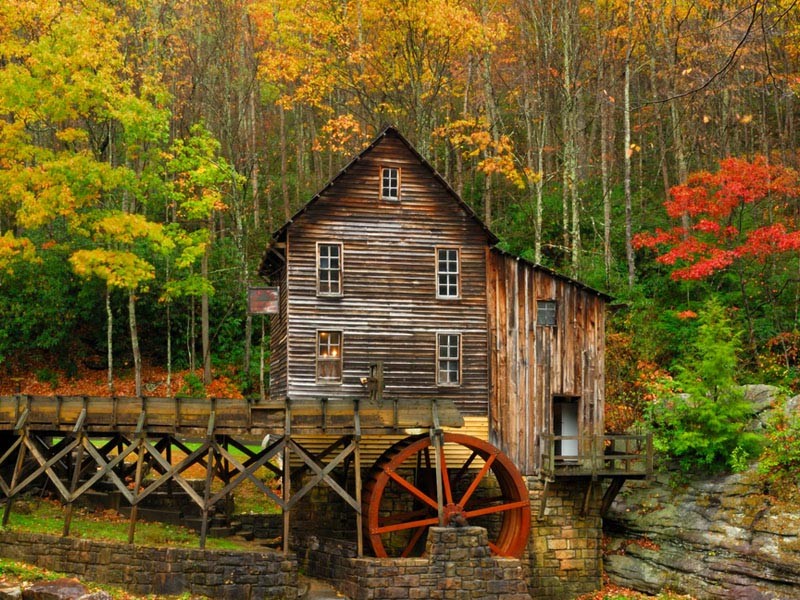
{"x":512,"y":537}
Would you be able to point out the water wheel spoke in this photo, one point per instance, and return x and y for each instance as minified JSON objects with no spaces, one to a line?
{"x":464,"y":468}
{"x":448,"y":492}
{"x":476,"y":481}
{"x":496,"y":509}
{"x":403,"y":526}
{"x":483,"y":502}
{"x":413,"y":490}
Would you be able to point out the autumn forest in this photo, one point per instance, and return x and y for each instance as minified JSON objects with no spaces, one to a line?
{"x":149,"y":147}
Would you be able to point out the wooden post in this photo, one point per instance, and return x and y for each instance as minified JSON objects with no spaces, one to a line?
{"x":207,"y":493}
{"x":76,"y":476}
{"x":286,"y":482}
{"x":357,"y":467}
{"x":436,"y":439}
{"x":136,"y":486}
{"x":14,"y":478}
{"x":211,"y":441}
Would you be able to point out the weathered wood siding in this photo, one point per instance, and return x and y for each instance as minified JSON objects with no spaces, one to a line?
{"x":388,"y":310}
{"x":530,"y":364}
{"x":277,"y":340}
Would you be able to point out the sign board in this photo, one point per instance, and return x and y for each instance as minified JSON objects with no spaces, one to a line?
{"x":262,"y":301}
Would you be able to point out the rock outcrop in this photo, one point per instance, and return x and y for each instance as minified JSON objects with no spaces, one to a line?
{"x":715,"y":538}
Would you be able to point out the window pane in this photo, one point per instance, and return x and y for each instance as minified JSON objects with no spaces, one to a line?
{"x":329,"y":356}
{"x":329,"y":269}
{"x":546,"y":313}
{"x":390,"y":177}
{"x":447,"y":272}
{"x":449,"y":361}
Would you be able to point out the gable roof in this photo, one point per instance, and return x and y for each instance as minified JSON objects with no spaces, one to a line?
{"x":393,"y":132}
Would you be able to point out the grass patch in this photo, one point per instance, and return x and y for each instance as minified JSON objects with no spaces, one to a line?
{"x":43,"y":516}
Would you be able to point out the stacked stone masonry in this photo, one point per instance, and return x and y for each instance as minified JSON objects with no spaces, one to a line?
{"x":144,"y":570}
{"x":564,"y":556}
{"x":458,"y":566}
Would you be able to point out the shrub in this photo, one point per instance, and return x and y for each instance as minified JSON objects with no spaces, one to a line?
{"x":701,"y":425}
{"x":780,"y":462}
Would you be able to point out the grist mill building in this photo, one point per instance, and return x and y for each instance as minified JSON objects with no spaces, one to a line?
{"x":392,"y":290}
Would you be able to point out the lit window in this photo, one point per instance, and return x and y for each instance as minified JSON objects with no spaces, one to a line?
{"x":448,"y":352}
{"x":329,"y":356}
{"x":546,"y":313}
{"x":447,"y":273}
{"x":329,"y":269}
{"x":390,"y":183}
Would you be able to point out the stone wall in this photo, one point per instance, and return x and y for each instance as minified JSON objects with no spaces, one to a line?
{"x":564,"y":557}
{"x":458,"y":566}
{"x":159,"y":571}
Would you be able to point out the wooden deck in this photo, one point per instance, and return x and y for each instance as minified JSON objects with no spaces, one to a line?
{"x":222,"y":416}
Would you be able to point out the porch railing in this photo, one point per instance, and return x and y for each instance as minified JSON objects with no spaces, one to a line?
{"x":628,"y":456}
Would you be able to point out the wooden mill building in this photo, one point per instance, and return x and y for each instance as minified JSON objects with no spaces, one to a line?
{"x":388,"y":265}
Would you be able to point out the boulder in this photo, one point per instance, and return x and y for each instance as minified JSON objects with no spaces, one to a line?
{"x":717,"y":538}
{"x":10,"y":592}
{"x":58,"y":589}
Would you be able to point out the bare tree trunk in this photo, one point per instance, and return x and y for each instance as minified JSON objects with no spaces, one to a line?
{"x":137,"y":355}
{"x":287,"y":210}
{"x":628,"y":154}
{"x":110,"y":340}
{"x":169,"y":351}
{"x":204,"y":319}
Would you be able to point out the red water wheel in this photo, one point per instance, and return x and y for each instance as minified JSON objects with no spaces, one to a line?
{"x":479,"y":486}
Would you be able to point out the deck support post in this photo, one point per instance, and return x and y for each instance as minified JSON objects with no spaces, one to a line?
{"x":436,"y":441}
{"x":543,"y":503}
{"x":76,"y":475}
{"x":137,"y":484}
{"x":15,"y":477}
{"x":286,"y":480}
{"x":357,"y":467}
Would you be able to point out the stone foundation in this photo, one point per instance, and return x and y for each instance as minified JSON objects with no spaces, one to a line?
{"x":564,"y":557}
{"x":160,"y":571}
{"x":457,"y":566}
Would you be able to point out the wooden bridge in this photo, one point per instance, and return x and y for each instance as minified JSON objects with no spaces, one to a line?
{"x":77,"y":441}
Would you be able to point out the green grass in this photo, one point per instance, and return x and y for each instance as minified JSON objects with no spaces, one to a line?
{"x":47,"y":517}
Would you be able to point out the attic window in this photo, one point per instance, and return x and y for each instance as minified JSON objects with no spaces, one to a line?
{"x":390,"y":183}
{"x":546,"y":313}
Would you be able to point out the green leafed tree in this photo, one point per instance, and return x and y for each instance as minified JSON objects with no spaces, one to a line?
{"x":703,"y":424}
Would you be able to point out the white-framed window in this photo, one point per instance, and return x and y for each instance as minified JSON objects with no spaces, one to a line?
{"x":390,"y":183}
{"x":448,"y":358}
{"x":546,"y":313}
{"x":448,"y":273}
{"x":329,"y":356}
{"x":329,"y":269}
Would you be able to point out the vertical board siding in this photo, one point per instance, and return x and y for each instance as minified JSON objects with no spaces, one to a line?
{"x":531,"y":364}
{"x":388,"y":310}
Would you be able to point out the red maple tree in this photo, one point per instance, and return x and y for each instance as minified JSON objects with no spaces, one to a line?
{"x":745,"y":210}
